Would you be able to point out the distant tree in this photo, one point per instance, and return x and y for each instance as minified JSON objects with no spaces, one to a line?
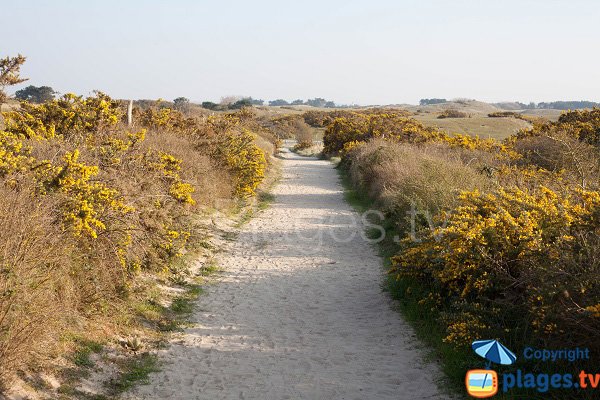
{"x":35,"y":94}
{"x":9,"y":74}
{"x":209,"y":105}
{"x":530,"y":106}
{"x":181,"y":104}
{"x":297,"y":102}
{"x":463,"y":100}
{"x":568,"y":105}
{"x":425,"y":102}
{"x":317,"y":102}
{"x":512,"y":106}
{"x":247,"y":102}
{"x":278,"y":102}
{"x":329,"y":104}
{"x":255,"y":102}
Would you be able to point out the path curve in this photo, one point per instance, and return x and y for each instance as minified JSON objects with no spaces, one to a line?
{"x":298,"y":312}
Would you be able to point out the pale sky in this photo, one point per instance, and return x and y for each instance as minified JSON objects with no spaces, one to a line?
{"x":365,"y":52}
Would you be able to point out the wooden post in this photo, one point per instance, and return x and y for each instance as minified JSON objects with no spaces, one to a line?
{"x":130,"y":113}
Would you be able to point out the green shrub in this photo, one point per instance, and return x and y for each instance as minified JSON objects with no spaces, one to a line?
{"x":452,"y":113}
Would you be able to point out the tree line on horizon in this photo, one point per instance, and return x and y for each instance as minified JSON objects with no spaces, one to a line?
{"x":235,"y":102}
{"x":552,"y":105}
{"x":561,"y":105}
{"x":42,"y":94}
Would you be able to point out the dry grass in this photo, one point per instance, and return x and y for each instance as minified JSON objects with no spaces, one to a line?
{"x":479,"y":124}
{"x":400,"y":176}
{"x":36,"y":290}
{"x":548,"y":114}
{"x":577,"y":161}
{"x":198,"y":168}
{"x":304,"y":133}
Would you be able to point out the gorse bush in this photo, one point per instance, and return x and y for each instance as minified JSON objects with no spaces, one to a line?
{"x":322,"y":119}
{"x":227,"y":138}
{"x":361,"y":127}
{"x":499,"y":239}
{"x":583,"y":125}
{"x":344,"y":133}
{"x":569,"y":145}
{"x":503,"y":114}
{"x":510,"y":250}
{"x":244,"y":159}
{"x":89,"y":205}
{"x":67,"y":117}
{"x":452,"y":113}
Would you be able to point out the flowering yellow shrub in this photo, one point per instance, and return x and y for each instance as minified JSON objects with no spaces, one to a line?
{"x":161,"y":117}
{"x":86,"y":202}
{"x":362,"y":127}
{"x":501,"y":238}
{"x":166,"y":119}
{"x":175,"y":241}
{"x":89,"y":193}
{"x":512,"y":247}
{"x":244,"y":158}
{"x":226,"y":137}
{"x":169,"y":167}
{"x":67,"y":116}
{"x":476,"y":143}
{"x":465,"y":327}
{"x":182,"y":192}
{"x":594,"y":310}
{"x":14,"y":154}
{"x":87,"y":205}
{"x":583,"y":125}
{"x":365,"y":126}
{"x":349,"y":146}
{"x":113,"y":149}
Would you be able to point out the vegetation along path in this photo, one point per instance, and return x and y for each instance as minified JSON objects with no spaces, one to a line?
{"x":298,"y":312}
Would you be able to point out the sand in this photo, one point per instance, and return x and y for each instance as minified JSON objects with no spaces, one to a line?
{"x":298,"y":311}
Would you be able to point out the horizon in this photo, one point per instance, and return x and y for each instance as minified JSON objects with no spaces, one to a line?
{"x":347,"y":52}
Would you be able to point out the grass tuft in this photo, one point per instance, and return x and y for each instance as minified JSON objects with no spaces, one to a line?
{"x":82,"y":357}
{"x":136,"y":371}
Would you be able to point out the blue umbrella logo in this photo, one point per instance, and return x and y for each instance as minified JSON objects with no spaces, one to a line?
{"x":494,"y":352}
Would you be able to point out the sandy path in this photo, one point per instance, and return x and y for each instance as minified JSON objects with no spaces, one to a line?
{"x":298,"y":312}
